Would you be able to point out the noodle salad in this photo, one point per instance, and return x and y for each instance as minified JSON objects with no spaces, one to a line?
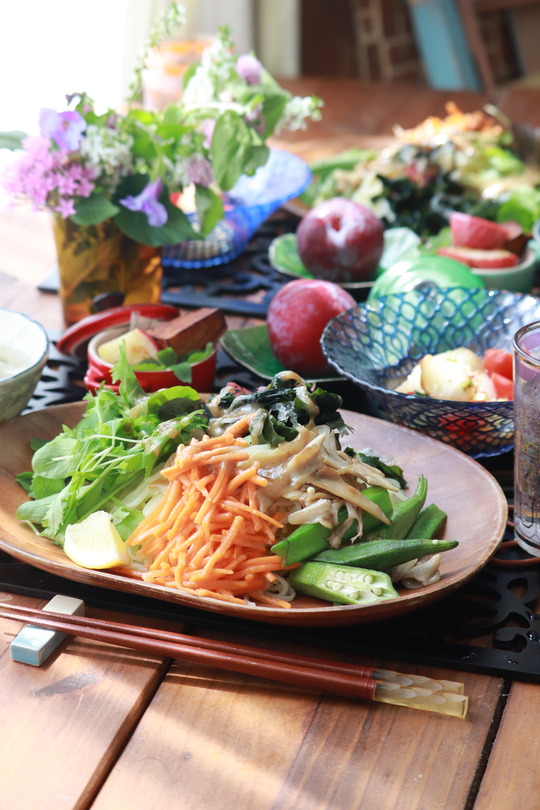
{"x":204,"y":494}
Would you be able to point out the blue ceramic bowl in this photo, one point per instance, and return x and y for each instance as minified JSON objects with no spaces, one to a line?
{"x":377,"y":343}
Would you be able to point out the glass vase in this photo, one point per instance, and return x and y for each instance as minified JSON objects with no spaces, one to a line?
{"x":99,"y":260}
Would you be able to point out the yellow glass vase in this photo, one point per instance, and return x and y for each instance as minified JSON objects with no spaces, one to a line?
{"x":99,"y":259}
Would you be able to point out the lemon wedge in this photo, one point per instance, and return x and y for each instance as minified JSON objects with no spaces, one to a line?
{"x":95,"y":543}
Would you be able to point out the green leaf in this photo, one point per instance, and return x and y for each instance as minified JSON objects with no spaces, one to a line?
{"x":43,"y":487}
{"x":172,"y":129}
{"x":251,"y":348}
{"x":273,"y":106}
{"x":127,"y":525}
{"x":12,"y":140}
{"x":25,"y":480}
{"x":167,"y":356}
{"x":58,"y":458}
{"x":283,"y":255}
{"x":182,"y":371}
{"x":135,"y":224}
{"x":183,"y":395}
{"x":93,"y":210}
{"x":55,"y":515}
{"x":523,"y":206}
{"x":200,"y":354}
{"x":35,"y":511}
{"x":399,"y":244}
{"x":209,"y":209}
{"x":236,"y":150}
{"x":130,"y":388}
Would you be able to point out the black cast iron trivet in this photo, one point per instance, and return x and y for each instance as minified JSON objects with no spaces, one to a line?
{"x":488,"y":626}
{"x":245,"y":286}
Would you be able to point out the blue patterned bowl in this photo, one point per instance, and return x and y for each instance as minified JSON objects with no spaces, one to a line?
{"x":377,"y":343}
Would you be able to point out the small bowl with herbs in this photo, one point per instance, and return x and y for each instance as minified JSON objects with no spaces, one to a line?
{"x":161,"y":353}
{"x":160,"y":344}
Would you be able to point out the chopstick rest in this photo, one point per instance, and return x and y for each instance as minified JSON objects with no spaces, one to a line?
{"x":33,"y":645}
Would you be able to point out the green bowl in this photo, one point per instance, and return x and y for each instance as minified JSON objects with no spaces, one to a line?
{"x":422,"y":271}
{"x":519,"y":278}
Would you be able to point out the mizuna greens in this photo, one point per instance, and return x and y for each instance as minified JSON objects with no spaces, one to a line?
{"x":115,"y":445}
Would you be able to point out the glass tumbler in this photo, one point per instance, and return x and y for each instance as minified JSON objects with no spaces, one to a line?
{"x":527,"y":438}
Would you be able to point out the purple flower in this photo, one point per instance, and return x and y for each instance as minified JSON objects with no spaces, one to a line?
{"x":199,"y":170}
{"x":208,"y":127}
{"x":147,"y":202}
{"x":249,"y":68}
{"x":65,"y":207}
{"x":65,"y":128}
{"x":86,"y":184}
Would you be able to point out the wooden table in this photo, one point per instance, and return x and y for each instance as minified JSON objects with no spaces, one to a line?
{"x":103,"y":728}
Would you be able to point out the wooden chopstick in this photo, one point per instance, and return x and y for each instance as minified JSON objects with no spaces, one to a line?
{"x":311,"y":673}
{"x":243,"y":649}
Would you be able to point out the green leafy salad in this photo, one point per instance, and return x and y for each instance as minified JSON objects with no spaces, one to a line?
{"x":123,"y":439}
{"x":320,"y":519}
{"x":432,"y":171}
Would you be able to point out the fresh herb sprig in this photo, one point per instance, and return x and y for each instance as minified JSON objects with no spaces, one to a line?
{"x":118,"y":442}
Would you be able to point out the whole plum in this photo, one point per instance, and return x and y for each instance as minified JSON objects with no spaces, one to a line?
{"x":296,"y":319}
{"x":340,"y":240}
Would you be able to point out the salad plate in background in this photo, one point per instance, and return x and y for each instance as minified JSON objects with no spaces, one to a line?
{"x":469,"y":162}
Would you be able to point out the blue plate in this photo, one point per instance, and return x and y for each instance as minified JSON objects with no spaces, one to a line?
{"x":248,"y":204}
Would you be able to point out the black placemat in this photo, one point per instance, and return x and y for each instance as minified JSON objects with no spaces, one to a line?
{"x":489,"y":625}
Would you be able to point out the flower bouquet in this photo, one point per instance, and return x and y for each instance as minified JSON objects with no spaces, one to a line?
{"x":126,"y":169}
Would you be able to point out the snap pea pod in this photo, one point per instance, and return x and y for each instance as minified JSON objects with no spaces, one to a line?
{"x":309,"y":539}
{"x":382,"y":555}
{"x":406,"y":512}
{"x":429,"y":522}
{"x":342,"y":584}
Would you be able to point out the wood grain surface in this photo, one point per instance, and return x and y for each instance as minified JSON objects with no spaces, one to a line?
{"x":98,"y":728}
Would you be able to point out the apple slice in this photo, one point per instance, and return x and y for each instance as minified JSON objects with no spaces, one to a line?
{"x":481,"y":259}
{"x":475,"y":232}
{"x":139,"y":347}
{"x":516,"y":238}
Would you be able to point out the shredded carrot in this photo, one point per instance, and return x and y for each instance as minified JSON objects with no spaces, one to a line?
{"x":209,"y":536}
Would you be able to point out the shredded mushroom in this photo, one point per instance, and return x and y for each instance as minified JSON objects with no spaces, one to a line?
{"x":312,"y":479}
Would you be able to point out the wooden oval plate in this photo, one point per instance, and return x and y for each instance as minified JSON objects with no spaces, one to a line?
{"x":472,"y":498}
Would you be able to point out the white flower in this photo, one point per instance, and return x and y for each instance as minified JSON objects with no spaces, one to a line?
{"x":199,"y":91}
{"x":108,"y":152}
{"x":178,"y":173}
{"x":297,"y":111}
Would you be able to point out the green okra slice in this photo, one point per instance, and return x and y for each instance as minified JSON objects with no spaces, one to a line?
{"x":309,"y":539}
{"x":406,"y":512}
{"x":382,"y":555}
{"x":342,"y":584}
{"x":304,"y":542}
{"x":429,"y":522}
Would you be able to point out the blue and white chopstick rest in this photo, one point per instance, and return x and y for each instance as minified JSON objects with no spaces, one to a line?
{"x":33,"y":644}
